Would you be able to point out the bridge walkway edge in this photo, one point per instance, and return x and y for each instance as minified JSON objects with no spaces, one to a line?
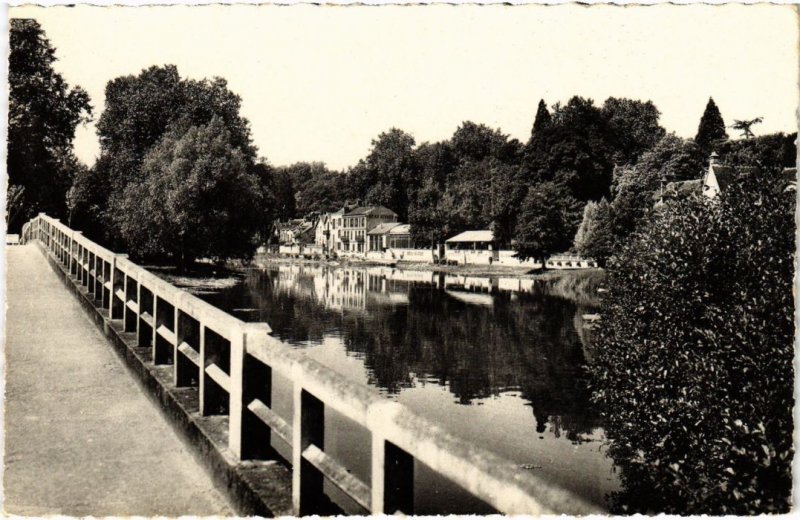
{"x":251,"y":488}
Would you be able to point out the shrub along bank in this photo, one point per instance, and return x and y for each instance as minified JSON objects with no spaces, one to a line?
{"x":693,"y":371}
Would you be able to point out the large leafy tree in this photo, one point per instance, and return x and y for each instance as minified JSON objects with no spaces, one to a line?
{"x":693,"y":372}
{"x":711,"y":130}
{"x":389,"y":174}
{"x":141,"y":110}
{"x":278,"y":189}
{"x":430,"y":220}
{"x":633,"y":128}
{"x":319,"y":189}
{"x":473,"y":143}
{"x":43,"y":113}
{"x":198,"y":197}
{"x":436,"y":161}
{"x":595,"y":237}
{"x":548,"y":220}
{"x":87,"y":199}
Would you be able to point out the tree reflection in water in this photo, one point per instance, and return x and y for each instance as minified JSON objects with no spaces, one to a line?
{"x":479,"y":337}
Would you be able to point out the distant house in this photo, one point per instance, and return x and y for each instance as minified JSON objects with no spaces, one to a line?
{"x":715,"y":180}
{"x":400,"y":237}
{"x":717,"y":177}
{"x":360,"y":220}
{"x":336,"y":227}
{"x":481,"y":240}
{"x":322,"y":232}
{"x":378,"y":237}
{"x":294,"y":232}
{"x":472,"y":247}
{"x":679,"y":189}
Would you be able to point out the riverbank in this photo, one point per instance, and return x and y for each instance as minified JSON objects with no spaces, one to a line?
{"x":463,"y":269}
{"x":579,"y":285}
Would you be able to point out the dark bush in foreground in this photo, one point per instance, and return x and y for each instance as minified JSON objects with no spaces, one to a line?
{"x":693,"y":372}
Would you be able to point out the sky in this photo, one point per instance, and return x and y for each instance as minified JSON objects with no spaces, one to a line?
{"x":318,"y":83}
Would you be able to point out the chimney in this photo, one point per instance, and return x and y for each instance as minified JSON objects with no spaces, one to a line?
{"x":713,"y":160}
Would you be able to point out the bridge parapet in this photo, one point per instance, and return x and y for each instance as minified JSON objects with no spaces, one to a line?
{"x":230,"y":364}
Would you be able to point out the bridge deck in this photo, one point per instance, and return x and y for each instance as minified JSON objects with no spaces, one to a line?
{"x":81,"y":438}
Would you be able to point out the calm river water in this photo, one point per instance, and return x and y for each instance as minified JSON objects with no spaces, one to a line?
{"x":498,"y":361}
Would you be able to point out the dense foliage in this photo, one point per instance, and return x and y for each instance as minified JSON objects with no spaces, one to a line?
{"x":693,"y":371}
{"x":767,"y":152}
{"x":197,"y":198}
{"x":43,"y":113}
{"x":547,"y":216}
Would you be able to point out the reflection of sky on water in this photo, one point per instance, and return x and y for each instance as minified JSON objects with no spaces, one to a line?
{"x":498,"y":361}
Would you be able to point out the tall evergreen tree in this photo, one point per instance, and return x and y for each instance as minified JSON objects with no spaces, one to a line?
{"x":542,"y":119}
{"x":712,"y":127}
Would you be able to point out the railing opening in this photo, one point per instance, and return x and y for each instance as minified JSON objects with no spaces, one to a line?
{"x":164,"y":347}
{"x":216,"y":380}
{"x":187,"y":360}
{"x":256,"y":397}
{"x":145,"y":315}
{"x":131,"y":305}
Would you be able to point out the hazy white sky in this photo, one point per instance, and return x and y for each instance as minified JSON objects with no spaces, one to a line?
{"x":319,"y":82}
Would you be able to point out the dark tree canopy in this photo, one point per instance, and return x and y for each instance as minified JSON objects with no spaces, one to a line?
{"x":389,"y":174}
{"x":429,"y":219}
{"x":315,"y":188}
{"x":672,"y":159}
{"x":472,"y":143}
{"x":437,"y":161}
{"x":633,"y":128}
{"x":712,"y":128}
{"x":574,"y":143}
{"x":43,"y":115}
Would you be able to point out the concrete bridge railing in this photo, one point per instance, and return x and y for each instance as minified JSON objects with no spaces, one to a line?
{"x":231,"y":364}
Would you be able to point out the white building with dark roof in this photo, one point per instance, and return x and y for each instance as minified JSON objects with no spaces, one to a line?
{"x":360,"y":220}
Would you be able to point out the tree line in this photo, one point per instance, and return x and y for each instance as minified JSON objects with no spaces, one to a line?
{"x":178,"y":176}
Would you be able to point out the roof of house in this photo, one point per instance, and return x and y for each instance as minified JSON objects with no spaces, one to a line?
{"x":382,"y":229}
{"x":304,"y":226}
{"x":483,"y":235}
{"x":724,"y":174}
{"x":401,"y":229}
{"x":372,"y":211}
{"x":679,"y":189}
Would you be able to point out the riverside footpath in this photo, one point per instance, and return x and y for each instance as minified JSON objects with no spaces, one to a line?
{"x":81,"y":437}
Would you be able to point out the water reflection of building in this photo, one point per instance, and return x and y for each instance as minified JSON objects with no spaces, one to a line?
{"x":348,"y":289}
{"x":478,"y":336}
